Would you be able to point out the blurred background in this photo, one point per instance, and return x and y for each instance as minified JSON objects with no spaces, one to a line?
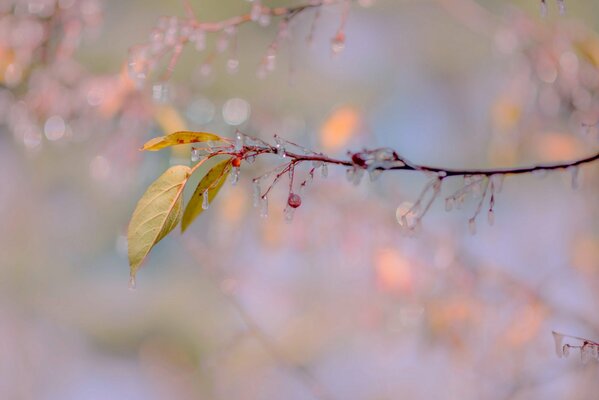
{"x":338,"y":304}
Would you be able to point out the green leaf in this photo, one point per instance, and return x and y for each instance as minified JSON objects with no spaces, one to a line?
{"x":212,"y":181}
{"x":157,"y":213}
{"x":181,"y":137}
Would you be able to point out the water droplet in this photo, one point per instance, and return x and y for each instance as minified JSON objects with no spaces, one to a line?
{"x":449,"y":204}
{"x":132,"y":283}
{"x":294,"y":200}
{"x":264,"y":207}
{"x":491,"y":217}
{"x":280,"y":147}
{"x":324,"y":171}
{"x":205,"y":200}
{"x":472,"y":226}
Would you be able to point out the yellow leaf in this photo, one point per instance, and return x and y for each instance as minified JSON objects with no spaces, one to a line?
{"x":157,"y":213}
{"x":181,"y":137}
{"x":211,"y":182}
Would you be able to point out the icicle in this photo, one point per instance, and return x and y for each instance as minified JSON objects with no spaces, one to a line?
{"x":280,"y":148}
{"x":234,"y":175}
{"x":586,"y":353}
{"x":374,"y":173}
{"x":566,"y":350}
{"x":449,"y":204}
{"x":195,"y":155}
{"x":257,"y":193}
{"x":132,"y":283}
{"x":498,"y":182}
{"x":161,"y":92}
{"x":472,"y":226}
{"x":239,"y":139}
{"x":561,"y":5}
{"x":324,"y":171}
{"x":232,"y":65}
{"x":491,"y":217}
{"x":357,"y":176}
{"x":264,"y":207}
{"x":338,"y":43}
{"x":558,"y":339}
{"x":543,"y":8}
{"x":205,"y":200}
{"x":289,"y":211}
{"x":574,"y":171}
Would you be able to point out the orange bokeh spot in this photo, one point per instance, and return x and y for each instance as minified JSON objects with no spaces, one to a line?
{"x":393,"y":272}
{"x":338,"y":129}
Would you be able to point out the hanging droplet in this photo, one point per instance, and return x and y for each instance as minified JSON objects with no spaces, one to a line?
{"x":349,"y":174}
{"x":257,"y":193}
{"x":264,"y":207}
{"x":566,"y":350}
{"x":324,"y":171}
{"x":498,"y":182}
{"x":235,"y":175}
{"x":294,"y":200}
{"x":338,"y":43}
{"x":358,"y":174}
{"x":132,"y":283}
{"x":449,"y":204}
{"x":540,"y":173}
{"x":472,"y":226}
{"x":491,"y":217}
{"x":585,"y":353}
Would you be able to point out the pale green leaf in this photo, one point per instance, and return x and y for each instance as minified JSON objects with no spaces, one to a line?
{"x":211,"y":182}
{"x":157,"y":213}
{"x":181,"y":137}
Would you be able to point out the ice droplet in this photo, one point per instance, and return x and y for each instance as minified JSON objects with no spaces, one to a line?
{"x":264,"y":207}
{"x":558,"y":339}
{"x":205,"y":200}
{"x":472,"y":226}
{"x":491,"y":217}
{"x":280,"y":147}
{"x":566,"y":350}
{"x":586,"y":353}
{"x":540,"y":173}
{"x":324,"y":171}
{"x":357,"y":177}
{"x":132,"y":283}
{"x":195,"y":155}
{"x":449,"y":204}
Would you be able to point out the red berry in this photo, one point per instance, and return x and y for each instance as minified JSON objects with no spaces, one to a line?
{"x":236,"y":162}
{"x":294,"y":200}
